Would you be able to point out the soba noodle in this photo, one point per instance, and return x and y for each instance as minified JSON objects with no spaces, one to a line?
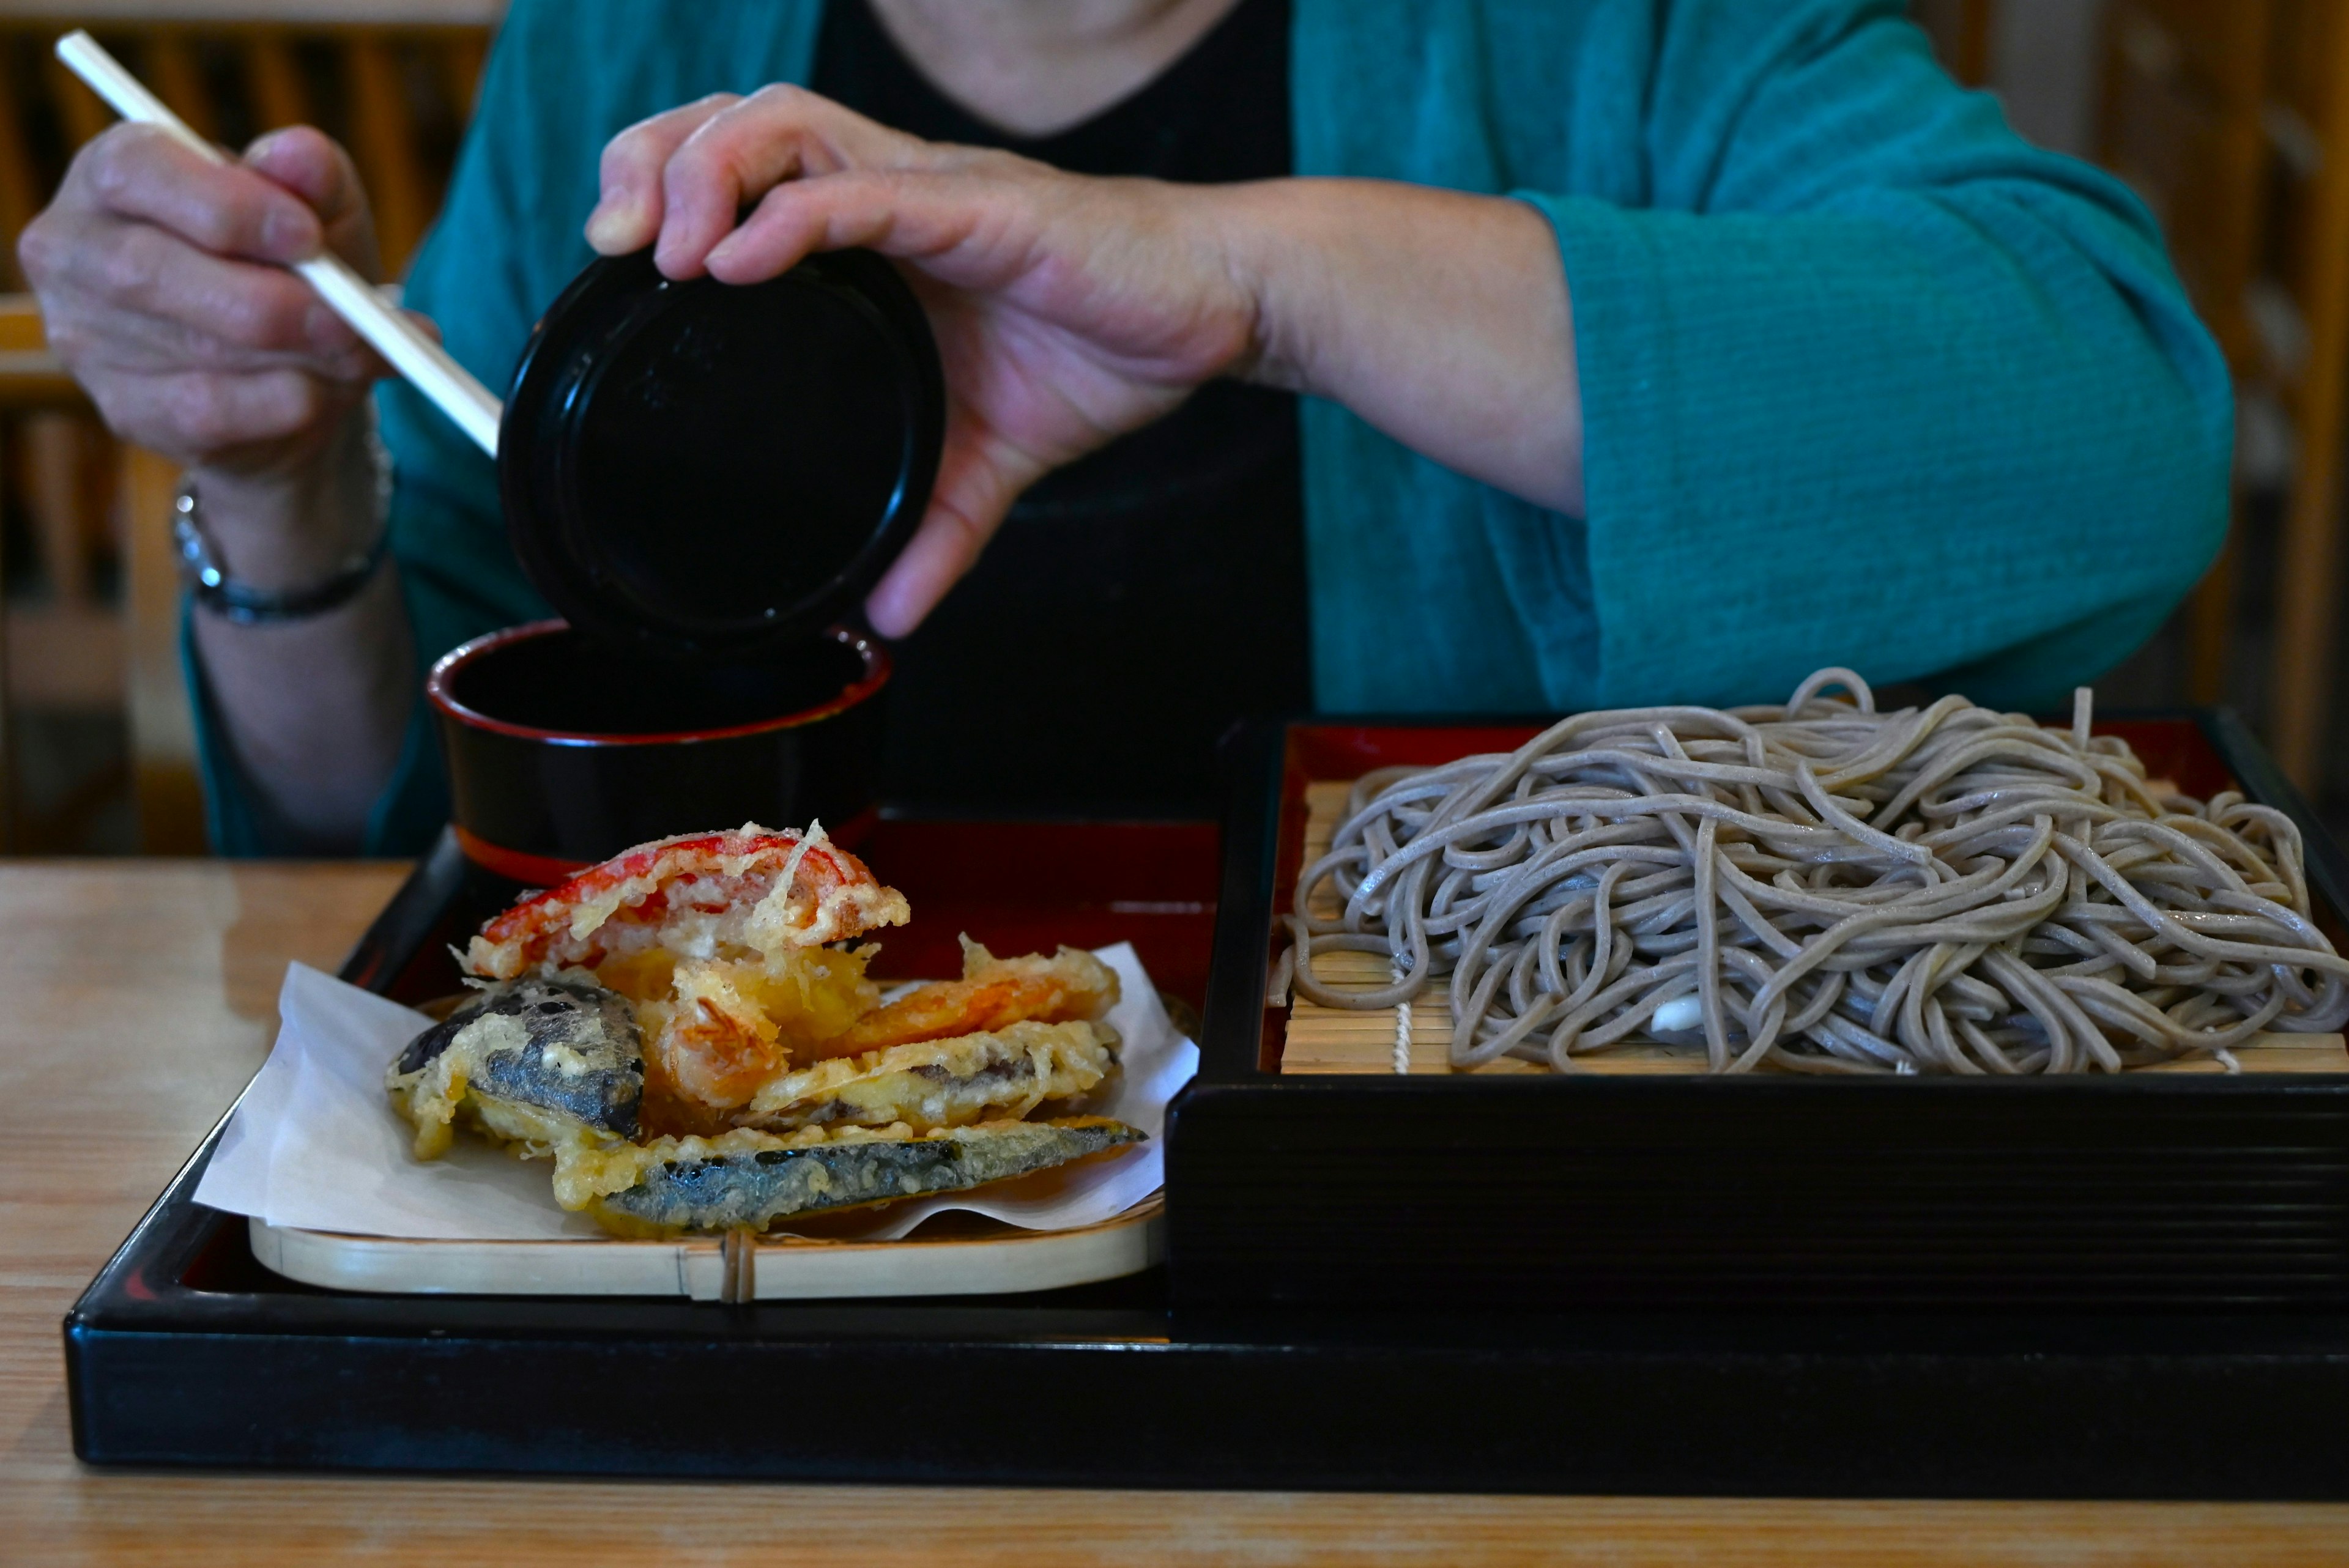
{"x":1825,"y":888}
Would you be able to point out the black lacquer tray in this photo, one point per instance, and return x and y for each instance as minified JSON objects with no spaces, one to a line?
{"x":2104,"y":1193}
{"x":184,"y":1352}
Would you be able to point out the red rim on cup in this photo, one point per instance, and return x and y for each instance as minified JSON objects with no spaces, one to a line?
{"x":563,"y":751}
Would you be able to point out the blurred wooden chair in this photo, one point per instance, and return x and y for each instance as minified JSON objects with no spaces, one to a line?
{"x":1961,"y":32}
{"x":60,"y":652}
{"x":2232,"y":121}
{"x":395,"y":81}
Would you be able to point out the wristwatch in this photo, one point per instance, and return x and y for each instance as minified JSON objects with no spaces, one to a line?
{"x":244,"y":605}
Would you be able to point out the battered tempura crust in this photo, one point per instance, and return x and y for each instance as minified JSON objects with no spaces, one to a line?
{"x":688,"y":1033}
{"x":944,"y":1083}
{"x":758,"y":889}
{"x":992,"y":993}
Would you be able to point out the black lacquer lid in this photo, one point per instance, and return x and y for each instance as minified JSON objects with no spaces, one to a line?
{"x":702,"y":470}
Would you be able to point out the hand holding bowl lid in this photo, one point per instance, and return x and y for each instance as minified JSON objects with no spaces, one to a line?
{"x":1068,"y":311}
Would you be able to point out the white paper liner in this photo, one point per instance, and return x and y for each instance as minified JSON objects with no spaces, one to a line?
{"x":316,"y":1144}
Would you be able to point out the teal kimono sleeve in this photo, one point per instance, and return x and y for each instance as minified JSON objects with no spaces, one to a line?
{"x":1868,"y":380}
{"x":458,"y":580}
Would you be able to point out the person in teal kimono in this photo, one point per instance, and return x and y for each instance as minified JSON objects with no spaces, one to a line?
{"x":1451,"y":355}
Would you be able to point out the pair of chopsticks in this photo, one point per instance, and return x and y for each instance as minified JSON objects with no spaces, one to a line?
{"x":426,"y":366}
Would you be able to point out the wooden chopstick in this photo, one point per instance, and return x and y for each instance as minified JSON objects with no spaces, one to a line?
{"x":426,"y":366}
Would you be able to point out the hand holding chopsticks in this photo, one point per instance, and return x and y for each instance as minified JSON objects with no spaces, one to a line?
{"x":424,"y":363}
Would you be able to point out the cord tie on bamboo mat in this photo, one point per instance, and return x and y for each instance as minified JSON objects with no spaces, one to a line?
{"x":1402,"y":1018}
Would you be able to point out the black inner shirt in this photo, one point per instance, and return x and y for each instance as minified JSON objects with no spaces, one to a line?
{"x":1140,"y":600}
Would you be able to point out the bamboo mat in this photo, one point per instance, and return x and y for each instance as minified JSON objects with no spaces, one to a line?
{"x":1340,"y":1040}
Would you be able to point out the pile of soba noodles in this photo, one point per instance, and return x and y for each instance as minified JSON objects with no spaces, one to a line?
{"x":1828,"y":889}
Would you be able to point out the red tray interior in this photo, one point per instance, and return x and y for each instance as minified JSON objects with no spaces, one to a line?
{"x":1028,"y":887}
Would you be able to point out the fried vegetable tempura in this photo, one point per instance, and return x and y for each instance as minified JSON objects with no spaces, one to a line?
{"x":993,"y":993}
{"x":688,"y":1032}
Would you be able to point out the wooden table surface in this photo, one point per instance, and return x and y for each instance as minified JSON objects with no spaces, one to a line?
{"x":135,"y":1000}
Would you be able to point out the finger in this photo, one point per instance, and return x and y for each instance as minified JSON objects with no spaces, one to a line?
{"x":315,"y":168}
{"x":779,"y":133}
{"x":128,"y":345}
{"x":921,"y":216}
{"x":628,"y":211}
{"x":199,"y":416}
{"x":979,"y":476}
{"x":149,"y":272}
{"x":139,"y":172}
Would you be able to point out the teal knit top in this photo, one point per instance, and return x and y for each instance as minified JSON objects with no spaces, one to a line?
{"x":1866,"y":379}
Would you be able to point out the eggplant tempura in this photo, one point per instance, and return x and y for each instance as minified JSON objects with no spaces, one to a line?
{"x":687,"y":1032}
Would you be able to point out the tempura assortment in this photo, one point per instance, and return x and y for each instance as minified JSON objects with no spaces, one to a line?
{"x":687,"y":1032}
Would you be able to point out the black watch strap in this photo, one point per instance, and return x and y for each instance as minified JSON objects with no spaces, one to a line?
{"x":245,"y":605}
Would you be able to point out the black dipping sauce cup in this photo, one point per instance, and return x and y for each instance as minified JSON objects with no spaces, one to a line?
{"x":563,"y":751}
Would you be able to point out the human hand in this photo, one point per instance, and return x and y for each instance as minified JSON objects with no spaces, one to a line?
{"x":164,"y":289}
{"x":1068,"y":310}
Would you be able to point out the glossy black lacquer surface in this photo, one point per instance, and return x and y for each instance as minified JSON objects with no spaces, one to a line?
{"x":696,"y":469}
{"x":567,"y":748}
{"x":1589,"y":1193}
{"x":185,"y":1352}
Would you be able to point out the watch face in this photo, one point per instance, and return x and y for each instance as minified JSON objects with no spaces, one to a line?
{"x":197,"y":563}
{"x":703,"y":470}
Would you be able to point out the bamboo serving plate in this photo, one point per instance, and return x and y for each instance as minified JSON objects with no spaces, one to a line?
{"x":955,"y":1253}
{"x":1024,"y":886}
